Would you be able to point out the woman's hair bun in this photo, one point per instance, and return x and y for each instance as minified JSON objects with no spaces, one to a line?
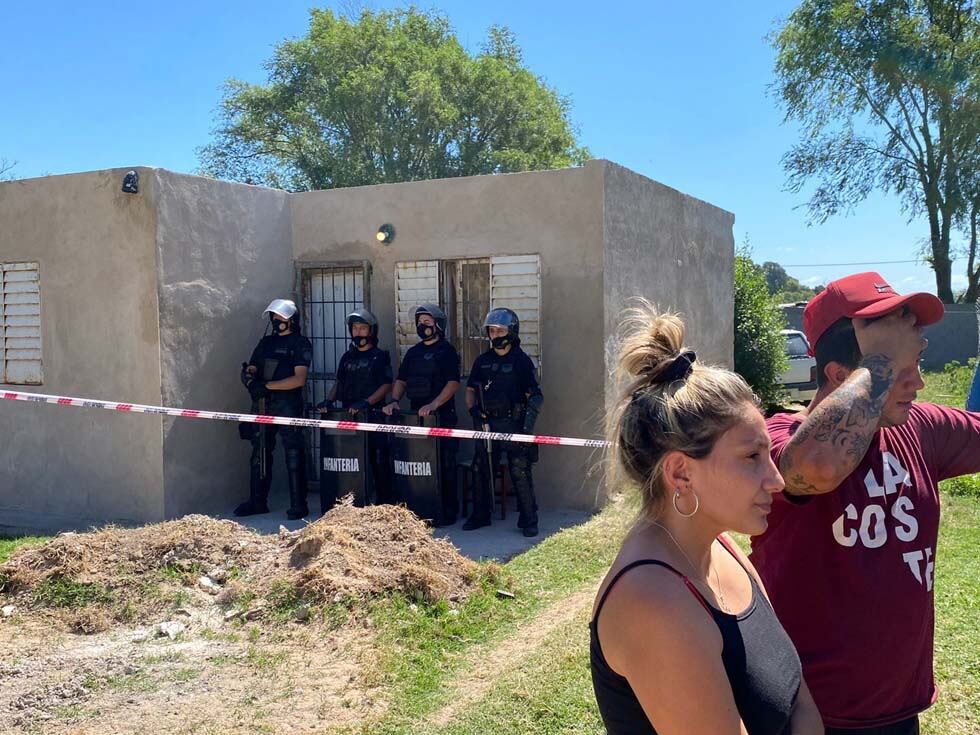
{"x":651,"y":343}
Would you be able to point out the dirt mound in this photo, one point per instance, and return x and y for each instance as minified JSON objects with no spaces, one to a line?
{"x":127,"y":575}
{"x":112,"y":556}
{"x":383,"y":548}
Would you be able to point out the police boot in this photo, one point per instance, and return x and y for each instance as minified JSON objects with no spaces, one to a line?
{"x":297,"y":490}
{"x":520,"y":475}
{"x":258,"y":488}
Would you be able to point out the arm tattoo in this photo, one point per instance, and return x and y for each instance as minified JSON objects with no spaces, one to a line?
{"x":844,"y":423}
{"x":882,"y":376}
{"x":801,"y":486}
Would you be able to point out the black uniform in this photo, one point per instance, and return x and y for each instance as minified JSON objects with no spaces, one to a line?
{"x":425,"y":371}
{"x":359,"y":375}
{"x":503,"y":385}
{"x":276,"y":358}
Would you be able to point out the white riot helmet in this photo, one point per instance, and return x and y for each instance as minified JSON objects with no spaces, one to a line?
{"x":285,"y":309}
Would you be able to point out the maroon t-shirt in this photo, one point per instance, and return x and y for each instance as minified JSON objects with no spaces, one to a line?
{"x":850,"y":573}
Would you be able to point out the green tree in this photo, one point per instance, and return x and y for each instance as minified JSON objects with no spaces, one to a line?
{"x":888,"y":95}
{"x":783,"y":288}
{"x":760,"y":351}
{"x":389,"y":96}
{"x":776,"y":276}
{"x":969,"y":225}
{"x":793,"y":293}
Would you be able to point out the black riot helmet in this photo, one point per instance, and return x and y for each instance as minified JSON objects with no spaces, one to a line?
{"x":438,"y":315}
{"x":363,"y":316}
{"x":505,"y":319}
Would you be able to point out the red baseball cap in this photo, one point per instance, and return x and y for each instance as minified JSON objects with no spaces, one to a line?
{"x":864,"y":296}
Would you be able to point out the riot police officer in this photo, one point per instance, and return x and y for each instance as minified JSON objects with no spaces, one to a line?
{"x":502,"y":394}
{"x":275,"y":376}
{"x":363,"y":381}
{"x":429,"y":377}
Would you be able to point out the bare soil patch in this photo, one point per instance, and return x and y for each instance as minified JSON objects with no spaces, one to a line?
{"x":200,"y":625}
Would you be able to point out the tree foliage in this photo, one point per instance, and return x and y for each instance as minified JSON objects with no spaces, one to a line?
{"x":389,"y":96}
{"x":776,"y":276}
{"x":760,"y":351}
{"x":783,"y":288}
{"x":888,"y":94}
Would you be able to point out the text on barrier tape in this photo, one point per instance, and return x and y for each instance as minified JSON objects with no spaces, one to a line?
{"x":185,"y":413}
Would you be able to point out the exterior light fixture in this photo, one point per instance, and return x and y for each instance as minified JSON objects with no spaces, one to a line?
{"x":386,"y":233}
{"x":131,"y":183}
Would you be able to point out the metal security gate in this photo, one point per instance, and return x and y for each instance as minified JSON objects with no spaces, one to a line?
{"x":330,"y":292}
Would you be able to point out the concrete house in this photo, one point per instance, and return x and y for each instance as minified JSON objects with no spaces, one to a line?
{"x":156,"y":298}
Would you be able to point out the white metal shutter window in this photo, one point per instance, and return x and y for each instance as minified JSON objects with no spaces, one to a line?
{"x":416,"y":282}
{"x":515,"y":283}
{"x":20,"y":324}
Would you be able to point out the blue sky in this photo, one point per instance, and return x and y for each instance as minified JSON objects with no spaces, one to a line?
{"x":675,"y":91}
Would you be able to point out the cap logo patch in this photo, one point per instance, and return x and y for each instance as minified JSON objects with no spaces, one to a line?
{"x":883,"y":288}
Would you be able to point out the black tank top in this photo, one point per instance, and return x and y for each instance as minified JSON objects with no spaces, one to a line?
{"x":760,"y":660}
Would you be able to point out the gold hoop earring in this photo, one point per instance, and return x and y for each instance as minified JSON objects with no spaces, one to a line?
{"x":697,"y":504}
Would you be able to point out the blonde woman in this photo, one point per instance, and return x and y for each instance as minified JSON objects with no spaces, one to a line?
{"x":684,"y":640}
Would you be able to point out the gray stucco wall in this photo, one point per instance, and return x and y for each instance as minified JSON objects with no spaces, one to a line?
{"x":224,"y":253}
{"x":674,"y":250}
{"x":157,"y":298}
{"x":954,"y":338}
{"x":74,"y":467}
{"x":557,"y":214}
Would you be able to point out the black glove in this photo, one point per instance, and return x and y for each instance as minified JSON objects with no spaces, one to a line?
{"x":360,"y":406}
{"x":532,"y":411}
{"x":477,"y":414}
{"x":257,"y":389}
{"x":246,"y":377}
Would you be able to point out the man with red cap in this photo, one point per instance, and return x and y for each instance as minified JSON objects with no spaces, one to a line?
{"x":849,"y":555}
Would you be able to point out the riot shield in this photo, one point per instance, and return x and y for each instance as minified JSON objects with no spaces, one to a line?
{"x":345,"y":467}
{"x":417,"y":469}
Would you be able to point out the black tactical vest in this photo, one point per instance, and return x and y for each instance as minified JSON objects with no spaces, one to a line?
{"x":277,"y":360}
{"x":421,"y":368}
{"x":357,"y":381}
{"x":501,"y":386}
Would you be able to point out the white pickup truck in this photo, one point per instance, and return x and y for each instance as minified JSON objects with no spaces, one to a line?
{"x":800,"y":379}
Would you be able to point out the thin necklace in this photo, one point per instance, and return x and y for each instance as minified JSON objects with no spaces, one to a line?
{"x":718,"y":592}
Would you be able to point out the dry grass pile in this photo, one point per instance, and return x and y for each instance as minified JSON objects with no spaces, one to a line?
{"x":96,"y":579}
{"x":358,"y":552}
{"x":112,"y":557}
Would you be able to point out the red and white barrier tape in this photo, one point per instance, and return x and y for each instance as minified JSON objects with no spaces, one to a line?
{"x":186,"y":413}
